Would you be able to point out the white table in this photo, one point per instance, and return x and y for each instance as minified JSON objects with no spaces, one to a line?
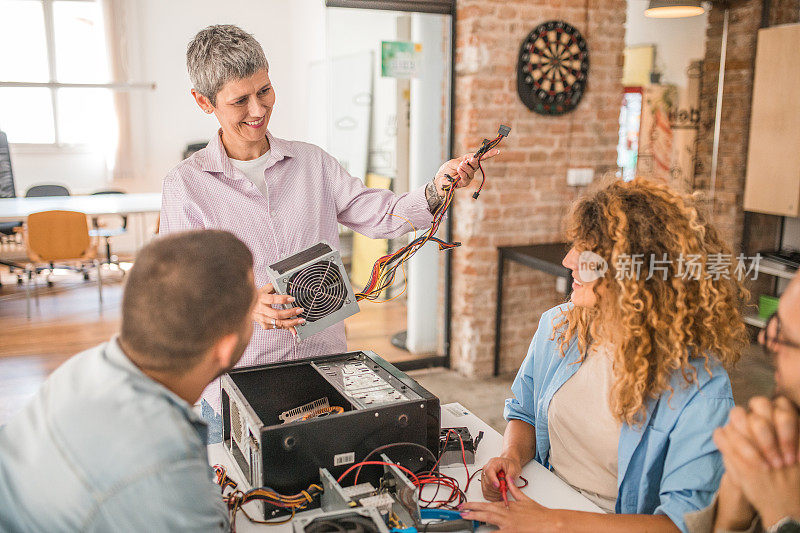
{"x":13,"y":209}
{"x":16,"y":209}
{"x":543,"y":486}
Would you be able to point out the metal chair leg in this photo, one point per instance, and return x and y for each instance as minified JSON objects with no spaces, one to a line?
{"x":36,"y":289}
{"x":99,"y":266}
{"x":28,"y":295}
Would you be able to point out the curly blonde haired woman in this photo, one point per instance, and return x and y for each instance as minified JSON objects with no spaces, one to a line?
{"x":623,"y":386}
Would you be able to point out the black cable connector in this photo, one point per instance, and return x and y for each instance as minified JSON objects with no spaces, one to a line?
{"x":478,"y":439}
{"x":504,"y":130}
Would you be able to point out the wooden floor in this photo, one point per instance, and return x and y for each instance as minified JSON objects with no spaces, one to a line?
{"x":69,"y":319}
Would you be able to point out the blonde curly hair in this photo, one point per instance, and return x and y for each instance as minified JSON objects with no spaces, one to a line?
{"x":655,"y":325}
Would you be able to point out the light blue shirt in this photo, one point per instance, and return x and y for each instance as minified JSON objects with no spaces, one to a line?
{"x":102,"y":447}
{"x":668,"y":466}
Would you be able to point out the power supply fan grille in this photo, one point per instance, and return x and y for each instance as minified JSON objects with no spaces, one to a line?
{"x":319,"y":289}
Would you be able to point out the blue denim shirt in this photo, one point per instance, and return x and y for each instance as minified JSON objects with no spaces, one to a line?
{"x":102,"y":447}
{"x":668,"y":466}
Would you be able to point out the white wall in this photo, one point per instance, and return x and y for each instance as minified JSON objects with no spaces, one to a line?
{"x":678,"y":41}
{"x":80,"y":170}
{"x":351,"y":31}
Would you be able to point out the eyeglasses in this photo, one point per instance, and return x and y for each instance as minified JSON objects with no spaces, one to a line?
{"x":770,"y":337}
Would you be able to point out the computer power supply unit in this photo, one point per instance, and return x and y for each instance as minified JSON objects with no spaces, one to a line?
{"x":282,"y":422}
{"x":318,"y":281}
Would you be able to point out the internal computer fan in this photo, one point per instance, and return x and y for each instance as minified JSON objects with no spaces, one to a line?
{"x":317,"y":280}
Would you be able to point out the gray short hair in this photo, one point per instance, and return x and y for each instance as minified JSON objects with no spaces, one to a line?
{"x":221,"y":53}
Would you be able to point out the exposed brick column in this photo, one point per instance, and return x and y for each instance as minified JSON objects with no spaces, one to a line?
{"x":526,"y":196}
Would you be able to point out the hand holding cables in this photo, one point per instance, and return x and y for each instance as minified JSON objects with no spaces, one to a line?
{"x":454,"y":174}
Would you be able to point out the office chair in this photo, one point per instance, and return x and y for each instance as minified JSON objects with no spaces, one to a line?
{"x":8,"y":230}
{"x":40,"y":191}
{"x":37,"y":191}
{"x":52,"y":236}
{"x":105,"y":232}
{"x":192,"y":148}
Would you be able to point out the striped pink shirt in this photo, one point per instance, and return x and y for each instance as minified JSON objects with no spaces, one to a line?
{"x":307,"y":194}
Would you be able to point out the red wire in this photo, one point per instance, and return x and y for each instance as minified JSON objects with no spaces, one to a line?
{"x":456,"y":494}
{"x":463,"y":453}
{"x":428,"y":478}
{"x":470,"y":478}
{"x":440,"y":479}
{"x":378,"y":463}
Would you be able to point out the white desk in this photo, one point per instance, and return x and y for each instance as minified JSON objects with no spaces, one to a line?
{"x":13,"y":209}
{"x":543,"y":486}
{"x":16,"y":209}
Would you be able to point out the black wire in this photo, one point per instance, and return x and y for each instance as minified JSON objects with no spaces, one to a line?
{"x":470,"y":478}
{"x":380,"y":448}
{"x":412,"y":444}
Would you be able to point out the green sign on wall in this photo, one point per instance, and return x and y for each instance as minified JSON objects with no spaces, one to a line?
{"x":400,"y":59}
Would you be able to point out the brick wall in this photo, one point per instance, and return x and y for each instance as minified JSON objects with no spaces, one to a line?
{"x":526,"y":196}
{"x":743,"y":24}
{"x":784,"y":12}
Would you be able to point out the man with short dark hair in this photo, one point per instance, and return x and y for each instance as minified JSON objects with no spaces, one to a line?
{"x":111,"y":441}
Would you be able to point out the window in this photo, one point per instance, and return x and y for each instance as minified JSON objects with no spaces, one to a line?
{"x":52,"y":74}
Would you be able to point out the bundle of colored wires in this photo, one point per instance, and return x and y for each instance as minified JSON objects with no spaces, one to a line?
{"x":235,"y":499}
{"x":420,"y":480}
{"x":222,"y":478}
{"x":385,"y":268}
{"x":456,"y":496}
{"x":453,"y":496}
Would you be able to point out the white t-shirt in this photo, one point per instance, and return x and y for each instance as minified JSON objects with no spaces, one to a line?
{"x":584,"y":434}
{"x":254,"y":170}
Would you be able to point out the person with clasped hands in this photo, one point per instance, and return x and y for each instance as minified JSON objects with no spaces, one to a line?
{"x":760,"y":490}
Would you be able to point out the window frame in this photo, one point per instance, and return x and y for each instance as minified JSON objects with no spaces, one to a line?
{"x":58,"y":145}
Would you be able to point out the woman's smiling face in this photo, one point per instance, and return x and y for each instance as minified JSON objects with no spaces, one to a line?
{"x":582,"y":290}
{"x":243,"y":108}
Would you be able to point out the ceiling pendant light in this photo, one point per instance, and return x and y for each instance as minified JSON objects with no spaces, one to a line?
{"x":668,"y":9}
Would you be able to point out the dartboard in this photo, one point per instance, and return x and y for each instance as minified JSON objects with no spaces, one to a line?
{"x":552,"y":69}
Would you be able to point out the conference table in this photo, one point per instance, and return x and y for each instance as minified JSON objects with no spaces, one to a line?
{"x":13,"y":209}
{"x":18,"y":209}
{"x":543,"y":486}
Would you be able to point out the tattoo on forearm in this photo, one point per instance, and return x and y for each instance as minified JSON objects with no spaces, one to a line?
{"x":434,"y":198}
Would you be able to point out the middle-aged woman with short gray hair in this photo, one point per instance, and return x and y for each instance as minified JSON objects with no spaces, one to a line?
{"x":277,"y":196}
